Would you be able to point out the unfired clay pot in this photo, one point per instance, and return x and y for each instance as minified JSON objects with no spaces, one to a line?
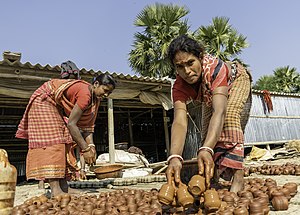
{"x":197,"y":185}
{"x":185,"y":199}
{"x":212,"y":201}
{"x":166,"y":193}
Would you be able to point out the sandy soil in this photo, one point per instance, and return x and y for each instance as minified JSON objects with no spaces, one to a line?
{"x":26,"y":190}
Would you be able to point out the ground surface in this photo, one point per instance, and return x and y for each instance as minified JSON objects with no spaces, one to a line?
{"x":26,"y":190}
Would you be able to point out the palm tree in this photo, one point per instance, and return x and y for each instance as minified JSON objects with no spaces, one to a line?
{"x":287,"y":79}
{"x":284,"y":79}
{"x":266,"y":82}
{"x":161,"y":23}
{"x":221,"y":39}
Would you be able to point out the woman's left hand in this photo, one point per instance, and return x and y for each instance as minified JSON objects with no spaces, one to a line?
{"x":90,"y":156}
{"x":206,"y":166}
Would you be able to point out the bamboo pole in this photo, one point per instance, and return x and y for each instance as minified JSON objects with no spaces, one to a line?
{"x":111,"y":138}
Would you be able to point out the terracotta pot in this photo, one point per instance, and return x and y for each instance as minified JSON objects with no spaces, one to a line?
{"x":280,"y":202}
{"x":98,"y":211}
{"x":291,"y":186}
{"x":240,"y":210}
{"x":229,"y":200}
{"x":255,"y":207}
{"x":185,"y":199}
{"x":19,"y":211}
{"x":212,"y":201}
{"x":197,"y":185}
{"x":166,"y":193}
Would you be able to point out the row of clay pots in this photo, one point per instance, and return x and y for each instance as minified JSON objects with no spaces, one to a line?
{"x":286,"y":169}
{"x":256,"y":198}
{"x":123,"y":202}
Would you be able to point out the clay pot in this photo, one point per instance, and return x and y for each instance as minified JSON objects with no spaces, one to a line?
{"x":229,"y":200}
{"x":43,"y":207}
{"x":132,"y":207}
{"x":185,"y":199}
{"x":197,"y":185}
{"x":256,"y":207}
{"x":51,"y":211}
{"x":240,"y":210}
{"x":166,"y":193}
{"x":264,"y":204}
{"x":247,"y":195}
{"x":286,"y":192}
{"x":292,"y":187}
{"x":279,"y":201}
{"x":297,"y":170}
{"x":98,"y":211}
{"x":225,"y":212}
{"x":19,"y":211}
{"x":212,"y":201}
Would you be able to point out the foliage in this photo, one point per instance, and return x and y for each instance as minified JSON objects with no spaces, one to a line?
{"x":221,"y":39}
{"x":161,"y":23}
{"x":265,"y":82}
{"x":284,"y":79}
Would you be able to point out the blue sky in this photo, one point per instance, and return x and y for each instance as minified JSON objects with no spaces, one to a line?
{"x":98,"y":34}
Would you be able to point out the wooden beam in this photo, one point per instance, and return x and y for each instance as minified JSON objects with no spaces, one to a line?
{"x":111,"y":138}
{"x":167,"y":139}
{"x":130,"y":129}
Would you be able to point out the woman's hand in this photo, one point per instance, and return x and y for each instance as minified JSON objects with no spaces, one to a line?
{"x":173,"y":170}
{"x":90,"y":156}
{"x":206,"y":166}
{"x":82,"y":174}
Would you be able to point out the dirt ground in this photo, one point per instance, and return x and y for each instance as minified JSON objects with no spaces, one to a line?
{"x":28,"y":190}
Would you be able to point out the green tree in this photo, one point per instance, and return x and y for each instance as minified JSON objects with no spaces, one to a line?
{"x":221,"y":39}
{"x":284,"y":79}
{"x":265,"y":82}
{"x":287,"y":79}
{"x":161,"y":23}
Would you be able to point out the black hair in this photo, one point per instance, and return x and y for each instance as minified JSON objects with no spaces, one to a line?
{"x":105,"y":79}
{"x":186,"y":44}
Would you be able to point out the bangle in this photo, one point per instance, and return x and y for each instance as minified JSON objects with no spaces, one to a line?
{"x":208,"y":149}
{"x":92,"y":145}
{"x":174,"y":156}
{"x":86,"y":149}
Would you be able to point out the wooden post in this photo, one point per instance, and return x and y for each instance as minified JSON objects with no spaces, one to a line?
{"x":111,"y":137}
{"x":130,"y":129}
{"x":167,"y":140}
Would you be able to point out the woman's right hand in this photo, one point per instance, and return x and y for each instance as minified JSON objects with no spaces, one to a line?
{"x":206,"y":166}
{"x":90,"y":156}
{"x":173,"y":170}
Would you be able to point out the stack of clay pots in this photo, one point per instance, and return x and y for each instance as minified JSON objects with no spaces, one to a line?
{"x":192,"y":197}
{"x":286,"y":169}
{"x":258,"y":198}
{"x":123,"y":202}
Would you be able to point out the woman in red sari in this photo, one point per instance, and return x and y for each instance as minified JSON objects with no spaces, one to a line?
{"x":50,"y":139}
{"x":222,"y":89}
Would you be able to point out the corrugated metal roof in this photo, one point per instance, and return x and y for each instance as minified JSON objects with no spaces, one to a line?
{"x":56,"y":69}
{"x":276,"y":93}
